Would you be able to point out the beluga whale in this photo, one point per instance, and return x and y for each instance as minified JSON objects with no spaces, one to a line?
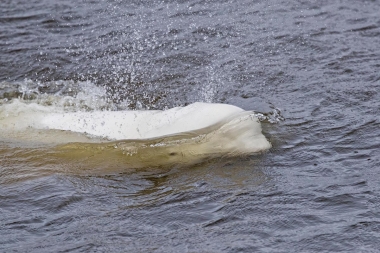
{"x":133,"y":139}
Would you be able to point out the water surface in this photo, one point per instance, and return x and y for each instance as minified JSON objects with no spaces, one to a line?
{"x":311,"y":70}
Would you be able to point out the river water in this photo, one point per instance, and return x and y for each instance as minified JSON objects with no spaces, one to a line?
{"x":311,"y":69}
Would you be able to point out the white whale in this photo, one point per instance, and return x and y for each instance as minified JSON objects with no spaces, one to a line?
{"x":119,"y":125}
{"x":137,"y":138}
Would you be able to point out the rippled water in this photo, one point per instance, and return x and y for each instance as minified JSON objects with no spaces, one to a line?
{"x":312,"y":70}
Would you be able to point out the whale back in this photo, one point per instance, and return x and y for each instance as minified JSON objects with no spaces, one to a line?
{"x":132,"y":139}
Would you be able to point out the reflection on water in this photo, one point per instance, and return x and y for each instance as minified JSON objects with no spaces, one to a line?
{"x":143,"y":202}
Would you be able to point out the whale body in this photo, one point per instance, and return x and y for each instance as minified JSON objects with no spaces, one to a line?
{"x":135,"y":138}
{"x":119,"y":125}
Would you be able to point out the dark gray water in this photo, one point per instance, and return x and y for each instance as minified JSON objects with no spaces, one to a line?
{"x":312,"y":68}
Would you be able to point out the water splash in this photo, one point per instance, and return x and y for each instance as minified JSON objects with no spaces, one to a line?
{"x":272,"y":117}
{"x":68,"y":95}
